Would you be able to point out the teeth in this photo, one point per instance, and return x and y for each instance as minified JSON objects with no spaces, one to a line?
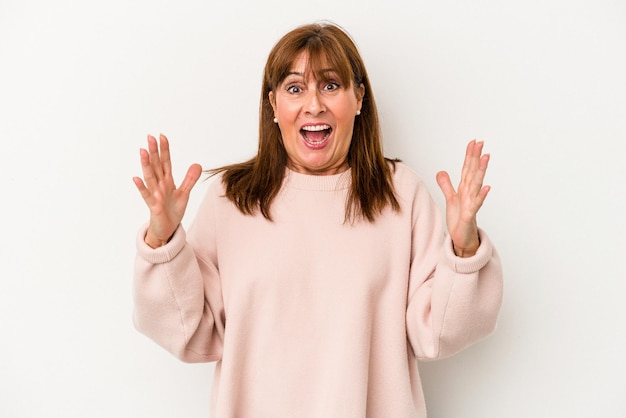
{"x":315,"y":128}
{"x":316,"y":142}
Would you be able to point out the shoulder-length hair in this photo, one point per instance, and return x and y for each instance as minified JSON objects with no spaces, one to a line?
{"x":252,"y":185}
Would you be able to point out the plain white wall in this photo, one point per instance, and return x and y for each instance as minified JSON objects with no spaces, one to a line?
{"x":83,"y":82}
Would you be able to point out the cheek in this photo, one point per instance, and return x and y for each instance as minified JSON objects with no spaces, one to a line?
{"x":286,"y":114}
{"x":346,"y":120}
{"x":346,"y":112}
{"x":285,"y":107}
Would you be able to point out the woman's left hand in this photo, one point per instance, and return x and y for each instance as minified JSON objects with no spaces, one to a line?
{"x":463,"y":204}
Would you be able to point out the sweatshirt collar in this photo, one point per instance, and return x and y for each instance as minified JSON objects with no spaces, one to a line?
{"x":331,"y":182}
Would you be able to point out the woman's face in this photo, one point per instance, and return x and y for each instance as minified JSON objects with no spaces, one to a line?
{"x":316,"y":118}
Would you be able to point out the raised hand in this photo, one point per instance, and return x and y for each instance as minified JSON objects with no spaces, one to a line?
{"x":463,"y":204}
{"x":166,"y":202}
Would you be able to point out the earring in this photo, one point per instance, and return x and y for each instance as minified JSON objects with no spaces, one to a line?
{"x":275,"y":120}
{"x":358,"y":112}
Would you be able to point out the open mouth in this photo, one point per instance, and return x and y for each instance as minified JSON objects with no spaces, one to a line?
{"x":315,"y":135}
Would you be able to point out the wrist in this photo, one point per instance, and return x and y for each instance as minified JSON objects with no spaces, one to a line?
{"x":467,"y":251}
{"x":154,"y":242}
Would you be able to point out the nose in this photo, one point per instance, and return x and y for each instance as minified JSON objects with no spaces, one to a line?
{"x":314,"y":104}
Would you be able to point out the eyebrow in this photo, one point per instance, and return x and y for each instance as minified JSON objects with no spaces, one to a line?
{"x":325,"y":70}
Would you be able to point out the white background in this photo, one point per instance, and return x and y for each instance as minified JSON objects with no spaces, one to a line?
{"x":82,"y":83}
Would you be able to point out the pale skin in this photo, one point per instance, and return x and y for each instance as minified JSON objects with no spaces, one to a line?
{"x":303,"y":101}
{"x":167,"y":202}
{"x":463,"y":204}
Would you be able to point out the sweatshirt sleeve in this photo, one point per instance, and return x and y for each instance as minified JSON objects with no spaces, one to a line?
{"x":178,"y":300}
{"x":453,"y":302}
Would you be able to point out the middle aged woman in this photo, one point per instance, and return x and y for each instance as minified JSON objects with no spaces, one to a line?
{"x":318,"y":272}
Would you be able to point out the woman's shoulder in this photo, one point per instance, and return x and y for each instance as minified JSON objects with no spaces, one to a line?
{"x":215,"y":183}
{"x":405,"y":176}
{"x":410,"y":186}
{"x":214,"y":187}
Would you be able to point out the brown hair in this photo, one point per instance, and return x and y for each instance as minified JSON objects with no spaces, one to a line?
{"x":252,"y":185}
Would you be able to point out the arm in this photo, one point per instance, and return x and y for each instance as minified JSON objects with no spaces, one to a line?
{"x":455,"y":288}
{"x":176,"y":293}
{"x":453,"y":301}
{"x":177,"y":300}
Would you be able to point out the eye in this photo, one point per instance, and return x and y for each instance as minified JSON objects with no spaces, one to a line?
{"x":293,"y":89}
{"x":331,"y":86}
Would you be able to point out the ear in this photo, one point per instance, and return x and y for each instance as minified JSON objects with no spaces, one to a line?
{"x":272,"y":98}
{"x":360,"y":93}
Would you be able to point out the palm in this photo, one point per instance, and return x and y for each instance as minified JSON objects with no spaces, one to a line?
{"x":463,"y":204}
{"x":166,"y":202}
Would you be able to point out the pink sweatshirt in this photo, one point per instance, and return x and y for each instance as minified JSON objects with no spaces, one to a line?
{"x":309,"y":316}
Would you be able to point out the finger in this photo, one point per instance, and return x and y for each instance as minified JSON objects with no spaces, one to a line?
{"x":478,"y":153}
{"x":474,"y":172}
{"x":478,"y":201}
{"x":478,"y":175}
{"x":483,"y":163}
{"x":192,"y":176}
{"x":155,"y":159}
{"x":467,"y":161}
{"x":483,"y":193}
{"x":140,"y":185}
{"x":147,"y":169}
{"x":443,"y":180}
{"x":482,"y":171}
{"x":475,"y":153}
{"x":165,"y":156}
{"x":143,"y":190}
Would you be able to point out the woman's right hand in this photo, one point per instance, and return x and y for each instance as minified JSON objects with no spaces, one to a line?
{"x":166,"y":202}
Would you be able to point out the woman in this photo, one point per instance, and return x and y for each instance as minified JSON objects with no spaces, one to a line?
{"x":318,"y":272}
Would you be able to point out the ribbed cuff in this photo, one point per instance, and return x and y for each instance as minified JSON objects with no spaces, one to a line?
{"x":471,"y":264}
{"x":162,"y":254}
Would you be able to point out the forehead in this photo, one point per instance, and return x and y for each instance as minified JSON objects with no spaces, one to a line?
{"x":317,"y":68}
{"x":307,"y":65}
